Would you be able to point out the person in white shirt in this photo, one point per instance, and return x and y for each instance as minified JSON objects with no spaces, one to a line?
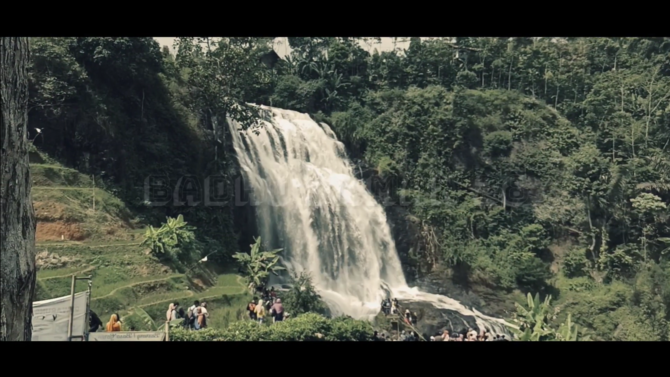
{"x":192,"y":315}
{"x":171,"y":312}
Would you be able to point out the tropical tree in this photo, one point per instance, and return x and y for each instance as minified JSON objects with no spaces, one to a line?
{"x":259,"y":264}
{"x":174,"y":240}
{"x":139,"y":318}
{"x":302,"y":297}
{"x":568,"y":331}
{"x":222,"y":74}
{"x":535,"y":322}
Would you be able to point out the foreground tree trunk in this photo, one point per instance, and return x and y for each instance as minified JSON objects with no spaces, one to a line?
{"x":17,"y":217}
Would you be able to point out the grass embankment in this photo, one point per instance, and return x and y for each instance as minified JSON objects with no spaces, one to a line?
{"x":84,"y":230}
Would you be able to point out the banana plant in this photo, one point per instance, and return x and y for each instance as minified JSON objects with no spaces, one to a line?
{"x":568,"y":332}
{"x":259,"y":264}
{"x":152,"y":240}
{"x":144,"y":318}
{"x":534,"y":320}
{"x":171,"y":238}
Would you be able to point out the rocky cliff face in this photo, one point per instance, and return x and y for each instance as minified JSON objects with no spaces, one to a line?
{"x":403,"y":228}
{"x":422,"y":269}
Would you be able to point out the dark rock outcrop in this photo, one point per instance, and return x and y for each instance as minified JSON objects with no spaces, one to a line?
{"x":484,"y":299}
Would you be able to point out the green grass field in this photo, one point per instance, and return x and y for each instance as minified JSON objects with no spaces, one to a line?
{"x":96,"y":235}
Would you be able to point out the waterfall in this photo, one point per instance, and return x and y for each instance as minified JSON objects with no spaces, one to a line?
{"x":309,"y":202}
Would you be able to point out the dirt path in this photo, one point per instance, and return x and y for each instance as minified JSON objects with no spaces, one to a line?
{"x":68,"y":275}
{"x":187,"y":294}
{"x":190,"y":294}
{"x":116,"y":244}
{"x":64,"y":188}
{"x":238,"y":279}
{"x":69,"y":243}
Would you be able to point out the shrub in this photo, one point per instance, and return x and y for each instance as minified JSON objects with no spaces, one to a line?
{"x":303,"y":298}
{"x":174,"y":240}
{"x":498,"y":143}
{"x":258,"y":264}
{"x":575,"y":263}
{"x":308,"y":327}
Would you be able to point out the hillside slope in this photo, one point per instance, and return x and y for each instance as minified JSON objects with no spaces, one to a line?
{"x":87,"y":230}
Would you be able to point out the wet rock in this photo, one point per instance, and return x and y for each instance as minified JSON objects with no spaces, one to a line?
{"x":485,"y":299}
{"x":432,"y":320}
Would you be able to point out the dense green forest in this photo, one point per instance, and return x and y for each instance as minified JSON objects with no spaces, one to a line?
{"x":523,"y":164}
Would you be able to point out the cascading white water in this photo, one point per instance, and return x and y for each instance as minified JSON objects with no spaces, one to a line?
{"x":309,"y":202}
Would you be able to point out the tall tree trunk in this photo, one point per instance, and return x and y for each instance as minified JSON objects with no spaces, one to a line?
{"x":493,"y":71}
{"x":500,"y":78}
{"x":509,"y":75}
{"x":545,"y":79}
{"x":17,"y":230}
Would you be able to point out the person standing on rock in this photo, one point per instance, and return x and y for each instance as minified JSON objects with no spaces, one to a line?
{"x":114,"y":323}
{"x":171,"y":312}
{"x":277,"y":311}
{"x":445,"y":336}
{"x":175,"y":313}
{"x":259,"y":311}
{"x":202,"y":317}
{"x":191,"y":316}
{"x":94,"y":322}
{"x":196,"y":317}
{"x":251,"y":308}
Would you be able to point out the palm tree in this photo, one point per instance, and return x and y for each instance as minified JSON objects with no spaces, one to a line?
{"x":259,"y":264}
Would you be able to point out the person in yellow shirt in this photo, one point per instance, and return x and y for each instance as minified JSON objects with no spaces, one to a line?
{"x":260,"y":311}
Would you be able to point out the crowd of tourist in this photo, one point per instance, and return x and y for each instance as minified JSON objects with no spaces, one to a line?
{"x":268,"y":303}
{"x":444,"y":336}
{"x":391,"y":306}
{"x":466,"y":336}
{"x":195,"y":318}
